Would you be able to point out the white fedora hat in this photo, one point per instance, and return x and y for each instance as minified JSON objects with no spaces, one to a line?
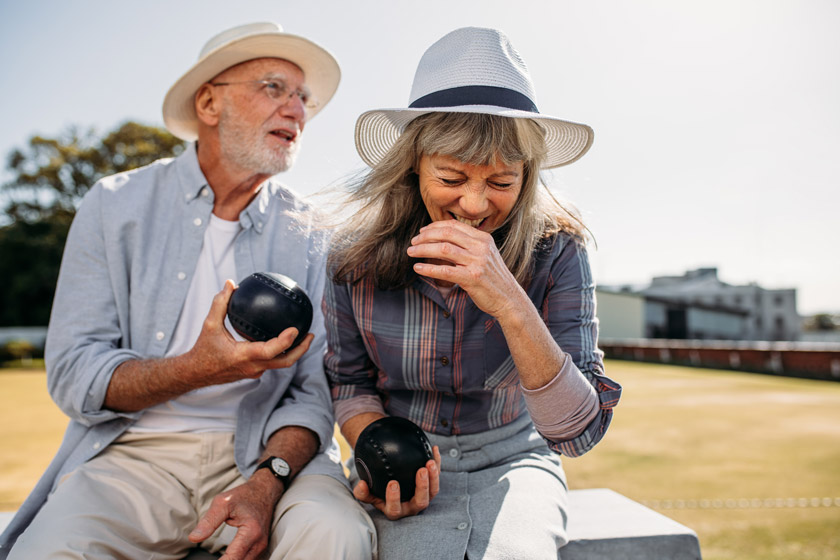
{"x":471,"y":70}
{"x":240,"y":44}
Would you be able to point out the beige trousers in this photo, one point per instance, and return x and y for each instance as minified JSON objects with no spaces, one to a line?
{"x":141,"y":497}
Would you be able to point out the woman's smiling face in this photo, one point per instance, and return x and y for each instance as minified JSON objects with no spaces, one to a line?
{"x":478,"y":195}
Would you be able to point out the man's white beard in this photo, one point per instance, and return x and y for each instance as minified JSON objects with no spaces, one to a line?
{"x":247,"y":148}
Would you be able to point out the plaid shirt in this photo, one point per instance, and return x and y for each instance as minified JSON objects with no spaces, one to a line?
{"x":445,"y":364}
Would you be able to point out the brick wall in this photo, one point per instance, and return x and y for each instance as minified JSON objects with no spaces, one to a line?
{"x":809,"y":360}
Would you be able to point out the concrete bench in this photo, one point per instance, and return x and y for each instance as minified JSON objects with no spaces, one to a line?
{"x":603,"y":525}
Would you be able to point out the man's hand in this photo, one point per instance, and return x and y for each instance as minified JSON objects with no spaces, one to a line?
{"x":215,"y":358}
{"x":427,"y":483}
{"x":249,"y":508}
{"x":224,"y":359}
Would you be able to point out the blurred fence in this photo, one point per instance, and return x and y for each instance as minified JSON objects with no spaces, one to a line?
{"x":795,"y":359}
{"x":36,"y":336}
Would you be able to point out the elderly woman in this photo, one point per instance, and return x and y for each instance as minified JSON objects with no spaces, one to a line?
{"x":462,"y":300}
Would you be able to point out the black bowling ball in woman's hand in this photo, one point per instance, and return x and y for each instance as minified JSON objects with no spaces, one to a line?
{"x":391,"y":448}
{"x":265,"y":304}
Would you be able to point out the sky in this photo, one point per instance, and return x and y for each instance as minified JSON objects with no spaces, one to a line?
{"x":717,"y":122}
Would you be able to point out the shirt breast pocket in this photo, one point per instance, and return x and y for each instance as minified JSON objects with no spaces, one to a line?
{"x":499,"y":369}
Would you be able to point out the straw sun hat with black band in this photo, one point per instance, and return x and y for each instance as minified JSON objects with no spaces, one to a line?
{"x":240,"y":44}
{"x":471,"y":70}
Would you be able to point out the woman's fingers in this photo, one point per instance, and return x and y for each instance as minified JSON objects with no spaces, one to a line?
{"x":445,"y":230}
{"x":422,"y":495}
{"x":453,"y":242}
{"x":362,"y":492}
{"x":427,"y":486}
{"x":393,"y":507}
{"x":442,"y":251}
{"x":446,"y":272}
{"x":451,"y":235}
{"x":433,"y":467}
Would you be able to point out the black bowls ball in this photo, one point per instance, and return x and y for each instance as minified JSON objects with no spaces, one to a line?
{"x":265,"y":304}
{"x":391,"y":448}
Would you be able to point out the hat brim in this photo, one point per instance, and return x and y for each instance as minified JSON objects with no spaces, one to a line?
{"x":377,"y":131}
{"x":319,"y":67}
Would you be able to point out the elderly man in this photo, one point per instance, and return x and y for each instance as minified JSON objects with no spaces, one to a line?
{"x":180,"y":432}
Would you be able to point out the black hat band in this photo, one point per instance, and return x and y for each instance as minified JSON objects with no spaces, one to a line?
{"x":476,"y":95}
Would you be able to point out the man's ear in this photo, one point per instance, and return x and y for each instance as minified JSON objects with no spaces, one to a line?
{"x":208,"y":105}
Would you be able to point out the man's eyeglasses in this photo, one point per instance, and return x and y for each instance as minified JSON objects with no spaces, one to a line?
{"x":277,"y":90}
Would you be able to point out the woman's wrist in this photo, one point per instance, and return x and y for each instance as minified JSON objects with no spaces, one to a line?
{"x":518,"y":313}
{"x":534,"y":351}
{"x":354,"y":426}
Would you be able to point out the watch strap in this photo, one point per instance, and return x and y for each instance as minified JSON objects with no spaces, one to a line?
{"x":286,"y":479}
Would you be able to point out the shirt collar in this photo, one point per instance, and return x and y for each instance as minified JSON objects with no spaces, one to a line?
{"x":194,"y":185}
{"x":427,"y":287}
{"x":192,"y":180}
{"x":256,"y":213}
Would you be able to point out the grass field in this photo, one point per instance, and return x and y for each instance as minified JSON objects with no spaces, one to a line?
{"x":697,"y":445}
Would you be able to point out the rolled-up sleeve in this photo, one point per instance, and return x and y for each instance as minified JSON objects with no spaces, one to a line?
{"x":569,"y":311}
{"x":84,"y":336}
{"x":306,"y":401}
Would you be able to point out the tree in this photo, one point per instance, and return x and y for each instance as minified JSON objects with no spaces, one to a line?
{"x":39,"y":202}
{"x":30,"y":254}
{"x":55,"y":173}
{"x":18,"y":349}
{"x":821,"y":322}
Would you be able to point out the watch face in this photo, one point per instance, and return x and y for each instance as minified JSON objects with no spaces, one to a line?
{"x":280,"y":466}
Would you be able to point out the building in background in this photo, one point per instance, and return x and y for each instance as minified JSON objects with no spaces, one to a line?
{"x":698,"y":306}
{"x":621,"y":314}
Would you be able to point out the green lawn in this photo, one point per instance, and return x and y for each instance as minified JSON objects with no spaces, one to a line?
{"x":31,"y":432}
{"x":696,"y":434}
{"x":681,"y":438}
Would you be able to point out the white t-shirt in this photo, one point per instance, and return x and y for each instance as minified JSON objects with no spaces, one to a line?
{"x":212,"y":408}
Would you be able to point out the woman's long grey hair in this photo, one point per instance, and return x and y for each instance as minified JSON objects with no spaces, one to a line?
{"x":374,"y":239}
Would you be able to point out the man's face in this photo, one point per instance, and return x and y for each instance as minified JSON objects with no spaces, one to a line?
{"x":257,"y":131}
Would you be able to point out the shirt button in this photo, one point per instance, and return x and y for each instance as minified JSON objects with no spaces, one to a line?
{"x":97,"y":445}
{"x":462,"y":526}
{"x":444,"y":360}
{"x":205,"y":192}
{"x":182,"y":275}
{"x":197,"y":221}
{"x":453,"y":452}
{"x":447,"y":314}
{"x":444,"y":422}
{"x":159,"y":335}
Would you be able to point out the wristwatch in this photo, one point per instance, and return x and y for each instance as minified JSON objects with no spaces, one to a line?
{"x":279,"y":468}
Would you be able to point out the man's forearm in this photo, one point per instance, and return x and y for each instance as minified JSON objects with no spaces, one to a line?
{"x":215,"y":359}
{"x":296,"y":445}
{"x":139,"y":384}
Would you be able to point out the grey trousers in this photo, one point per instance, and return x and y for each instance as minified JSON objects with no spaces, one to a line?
{"x":503,"y":495}
{"x":141,"y":497}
